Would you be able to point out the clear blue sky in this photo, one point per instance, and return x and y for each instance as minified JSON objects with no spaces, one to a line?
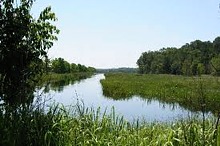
{"x":114,"y":33}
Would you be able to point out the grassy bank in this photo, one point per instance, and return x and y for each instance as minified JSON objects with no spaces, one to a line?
{"x":53,"y":77}
{"x":77,"y":125}
{"x":80,"y":126}
{"x":191,"y":92}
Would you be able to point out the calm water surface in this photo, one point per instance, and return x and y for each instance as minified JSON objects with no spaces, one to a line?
{"x":90,"y":92}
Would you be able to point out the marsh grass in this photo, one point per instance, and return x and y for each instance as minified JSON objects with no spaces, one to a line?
{"x":167,"y":88}
{"x":57,"y":77}
{"x":83,"y":126}
{"x":77,"y":125}
{"x":25,"y":126}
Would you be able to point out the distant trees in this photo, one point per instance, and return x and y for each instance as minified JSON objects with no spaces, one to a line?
{"x":215,"y":62}
{"x":191,"y":59}
{"x":118,"y":70}
{"x":60,"y":66}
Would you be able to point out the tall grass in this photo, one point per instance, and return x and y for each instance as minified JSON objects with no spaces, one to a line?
{"x":166,"y":88}
{"x":25,"y":126}
{"x":84,"y":126}
{"x":90,"y":129}
{"x":56,"y":77}
{"x":80,"y":126}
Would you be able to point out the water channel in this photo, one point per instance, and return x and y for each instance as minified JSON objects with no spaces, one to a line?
{"x":90,"y":92}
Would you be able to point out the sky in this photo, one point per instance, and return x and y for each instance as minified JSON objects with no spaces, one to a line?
{"x":114,"y":33}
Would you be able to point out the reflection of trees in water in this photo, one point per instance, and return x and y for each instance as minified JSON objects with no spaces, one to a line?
{"x":58,"y":85}
{"x":196,"y":105}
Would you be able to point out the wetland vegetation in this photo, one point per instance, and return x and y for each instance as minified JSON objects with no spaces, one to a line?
{"x":82,"y":126}
{"x":189,"y":92}
{"x":24,"y":43}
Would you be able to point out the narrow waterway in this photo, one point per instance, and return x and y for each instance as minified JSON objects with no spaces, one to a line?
{"x":90,"y":92}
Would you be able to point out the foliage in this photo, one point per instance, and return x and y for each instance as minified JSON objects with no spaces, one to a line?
{"x":24,"y":42}
{"x":118,"y":70}
{"x":186,"y":91}
{"x":215,"y":62}
{"x":60,"y":66}
{"x":190,"y":59}
{"x":34,"y":127}
{"x":82,"y":126}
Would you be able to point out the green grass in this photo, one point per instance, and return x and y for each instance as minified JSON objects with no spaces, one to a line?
{"x":82,"y":126}
{"x":189,"y":92}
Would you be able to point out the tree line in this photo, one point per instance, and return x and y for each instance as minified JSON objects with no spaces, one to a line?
{"x":118,"y":70}
{"x":197,"y":57}
{"x":61,"y":66}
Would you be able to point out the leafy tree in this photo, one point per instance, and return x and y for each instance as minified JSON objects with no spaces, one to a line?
{"x":144,"y":62}
{"x":194,"y":68}
{"x":24,"y":42}
{"x":66,"y":67}
{"x":215,"y":62}
{"x":201,"y":68}
{"x":216,"y":45}
{"x":186,"y":67}
{"x":74,"y":68}
{"x":140,"y":64}
{"x":91,"y":69}
{"x":193,"y":58}
{"x":82,"y":68}
{"x":176,"y":68}
{"x":59,"y":65}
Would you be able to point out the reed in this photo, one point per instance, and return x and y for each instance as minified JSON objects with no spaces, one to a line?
{"x":166,"y":88}
{"x":79,"y":125}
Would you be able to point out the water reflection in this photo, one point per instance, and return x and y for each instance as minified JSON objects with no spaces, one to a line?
{"x":59,"y":85}
{"x":194,"y":106}
{"x":91,"y":93}
{"x":171,"y":106}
